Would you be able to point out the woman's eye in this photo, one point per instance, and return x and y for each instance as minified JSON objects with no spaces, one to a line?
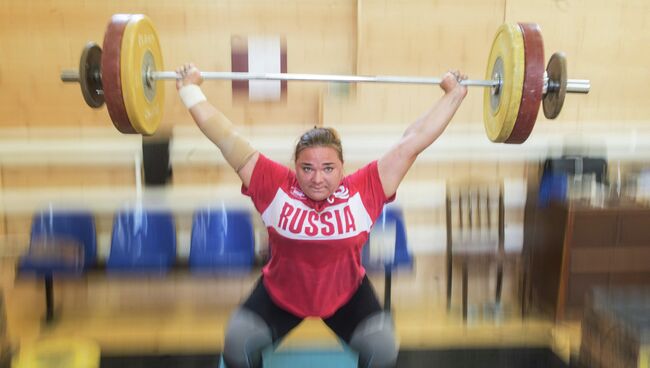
{"x":306,"y":169}
{"x":329,"y":169}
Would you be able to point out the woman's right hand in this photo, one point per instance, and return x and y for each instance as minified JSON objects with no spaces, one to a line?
{"x":189,"y":74}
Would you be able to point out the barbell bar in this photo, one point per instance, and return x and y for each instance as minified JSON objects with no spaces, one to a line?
{"x":573,"y":85}
{"x":129,"y":75}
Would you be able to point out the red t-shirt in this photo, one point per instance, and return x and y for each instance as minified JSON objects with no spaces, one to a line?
{"x":315,"y":265}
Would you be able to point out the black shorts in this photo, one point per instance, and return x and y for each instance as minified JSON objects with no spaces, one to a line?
{"x":343,"y":322}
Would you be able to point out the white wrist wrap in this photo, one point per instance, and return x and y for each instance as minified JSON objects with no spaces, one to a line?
{"x":191,"y":95}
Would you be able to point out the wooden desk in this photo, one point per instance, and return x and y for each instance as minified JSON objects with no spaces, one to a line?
{"x":616,"y":328}
{"x":577,"y":246}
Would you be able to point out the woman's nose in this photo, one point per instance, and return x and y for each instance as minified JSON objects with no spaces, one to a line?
{"x":318,"y":176}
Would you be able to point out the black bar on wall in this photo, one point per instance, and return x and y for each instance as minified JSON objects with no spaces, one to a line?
{"x":155,"y":159}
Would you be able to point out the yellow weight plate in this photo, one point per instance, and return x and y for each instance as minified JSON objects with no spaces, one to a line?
{"x":507,"y":63}
{"x":58,"y":352}
{"x":144,"y":100}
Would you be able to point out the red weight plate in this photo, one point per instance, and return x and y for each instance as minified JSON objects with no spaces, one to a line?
{"x":531,"y":96}
{"x":111,"y":73}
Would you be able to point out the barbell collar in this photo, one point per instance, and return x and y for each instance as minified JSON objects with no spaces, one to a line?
{"x":72,"y":76}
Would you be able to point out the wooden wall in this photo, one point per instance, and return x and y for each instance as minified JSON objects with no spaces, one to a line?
{"x":38,"y":39}
{"x":604,"y":41}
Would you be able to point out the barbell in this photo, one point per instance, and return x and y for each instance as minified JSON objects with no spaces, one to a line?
{"x":127,"y":75}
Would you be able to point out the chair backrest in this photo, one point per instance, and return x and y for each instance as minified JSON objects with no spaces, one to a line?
{"x":387,"y":244}
{"x":222,"y":239}
{"x":475,"y":218}
{"x":142,"y":239}
{"x":59,"y":227}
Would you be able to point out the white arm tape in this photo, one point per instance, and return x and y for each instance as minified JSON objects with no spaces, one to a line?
{"x":191,"y":95}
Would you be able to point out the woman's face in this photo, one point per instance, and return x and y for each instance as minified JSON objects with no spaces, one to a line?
{"x":319,"y":171}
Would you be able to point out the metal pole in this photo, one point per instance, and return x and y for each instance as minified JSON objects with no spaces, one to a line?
{"x":49,"y":298}
{"x":573,"y":85}
{"x":388,"y":282}
{"x":322,"y":77}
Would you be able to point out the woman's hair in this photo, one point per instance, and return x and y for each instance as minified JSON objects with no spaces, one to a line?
{"x":319,"y":137}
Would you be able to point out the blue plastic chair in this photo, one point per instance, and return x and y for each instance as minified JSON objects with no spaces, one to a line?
{"x":222,"y":241}
{"x":61,"y":243}
{"x":552,"y":187}
{"x":143,"y":241}
{"x":391,"y":215}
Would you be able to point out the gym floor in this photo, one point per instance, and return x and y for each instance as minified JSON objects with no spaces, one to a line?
{"x":178,"y":321}
{"x":449,"y":358}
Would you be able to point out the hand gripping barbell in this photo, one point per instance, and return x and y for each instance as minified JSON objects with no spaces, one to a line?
{"x":126,"y":75}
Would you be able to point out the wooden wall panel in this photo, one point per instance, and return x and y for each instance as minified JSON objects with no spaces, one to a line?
{"x":602,"y":39}
{"x":605,"y":41}
{"x":418,"y":38}
{"x":17,"y":233}
{"x":39,"y":39}
{"x":202,"y":175}
{"x":32,"y":176}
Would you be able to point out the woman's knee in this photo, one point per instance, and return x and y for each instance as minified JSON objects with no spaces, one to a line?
{"x":246,"y":336}
{"x":374,"y":340}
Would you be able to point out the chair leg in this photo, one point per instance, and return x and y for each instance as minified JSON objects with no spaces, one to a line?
{"x":499,"y":283}
{"x":523,"y":294}
{"x":388,"y":281}
{"x":449,"y":275}
{"x":49,"y":298}
{"x":465,"y":281}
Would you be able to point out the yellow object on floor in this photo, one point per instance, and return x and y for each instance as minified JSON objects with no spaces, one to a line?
{"x":58,"y":353}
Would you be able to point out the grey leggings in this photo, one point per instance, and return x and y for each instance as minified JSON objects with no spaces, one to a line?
{"x":361,"y":323}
